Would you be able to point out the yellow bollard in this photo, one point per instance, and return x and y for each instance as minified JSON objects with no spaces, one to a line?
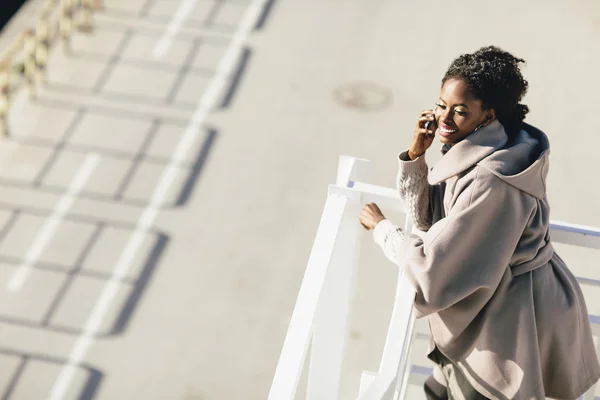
{"x":87,"y":16}
{"x":42,"y":49}
{"x":66,"y":22}
{"x":4,"y":97}
{"x":29,"y":62}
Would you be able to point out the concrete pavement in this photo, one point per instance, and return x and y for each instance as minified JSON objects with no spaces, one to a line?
{"x":189,"y":297}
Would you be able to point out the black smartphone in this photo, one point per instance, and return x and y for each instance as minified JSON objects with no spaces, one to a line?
{"x":431,"y":125}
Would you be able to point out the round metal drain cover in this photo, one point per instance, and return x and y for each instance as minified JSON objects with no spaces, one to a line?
{"x":364,"y":96}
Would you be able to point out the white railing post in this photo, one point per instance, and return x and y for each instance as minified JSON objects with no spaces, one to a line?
{"x":408,"y":297}
{"x":330,"y":330}
{"x":395,"y":360}
{"x":351,"y":169}
{"x":295,"y":346}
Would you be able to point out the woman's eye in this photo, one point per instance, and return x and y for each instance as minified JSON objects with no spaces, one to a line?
{"x":440,"y":106}
{"x":460,"y":112}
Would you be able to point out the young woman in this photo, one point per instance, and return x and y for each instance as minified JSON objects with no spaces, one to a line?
{"x":508,"y":319}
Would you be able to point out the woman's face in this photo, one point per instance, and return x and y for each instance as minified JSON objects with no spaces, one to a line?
{"x":458,"y":112}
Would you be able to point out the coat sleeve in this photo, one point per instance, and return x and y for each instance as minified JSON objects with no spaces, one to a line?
{"x":419,"y":197}
{"x":463,"y":256}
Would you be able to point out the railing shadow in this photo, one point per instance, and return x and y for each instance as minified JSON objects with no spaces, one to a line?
{"x":88,"y":392}
{"x":136,"y":288}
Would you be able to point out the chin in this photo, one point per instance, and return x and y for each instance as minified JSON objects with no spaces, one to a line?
{"x":457,"y":137}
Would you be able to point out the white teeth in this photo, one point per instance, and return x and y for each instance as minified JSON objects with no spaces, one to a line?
{"x":448,"y":130}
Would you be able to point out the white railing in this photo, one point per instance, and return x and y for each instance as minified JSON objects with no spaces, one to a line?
{"x":322,"y":312}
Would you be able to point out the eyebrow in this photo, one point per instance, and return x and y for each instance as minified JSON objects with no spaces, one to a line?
{"x":461,"y":104}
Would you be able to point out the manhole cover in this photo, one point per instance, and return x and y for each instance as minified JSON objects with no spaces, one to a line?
{"x":364,"y":96}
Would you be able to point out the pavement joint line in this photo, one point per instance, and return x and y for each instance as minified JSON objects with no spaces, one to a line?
{"x":84,"y":194}
{"x":214,"y":12}
{"x":153,"y":29}
{"x":101,"y":104}
{"x":150,"y":100}
{"x":165,"y":41}
{"x":14,"y":215}
{"x":153,"y":65}
{"x":63,"y":269}
{"x":15,"y":378}
{"x":137,"y":159}
{"x":74,"y":217}
{"x":48,"y":230}
{"x":183,"y":72}
{"x":113,"y":62}
{"x":73,"y":274}
{"x":144,"y":11}
{"x":147,"y":218}
{"x":58,"y":147}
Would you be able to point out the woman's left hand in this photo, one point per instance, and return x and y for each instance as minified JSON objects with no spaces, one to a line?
{"x":370,"y":216}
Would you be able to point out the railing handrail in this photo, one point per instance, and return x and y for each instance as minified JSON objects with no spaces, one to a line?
{"x":384,"y":194}
{"x":572,"y":228}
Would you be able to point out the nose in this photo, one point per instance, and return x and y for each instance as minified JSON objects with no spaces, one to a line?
{"x":447,"y":117}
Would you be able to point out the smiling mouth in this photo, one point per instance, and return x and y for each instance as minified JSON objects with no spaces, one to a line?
{"x":447,"y":132}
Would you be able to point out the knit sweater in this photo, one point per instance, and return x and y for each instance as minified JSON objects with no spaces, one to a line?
{"x":415,"y":191}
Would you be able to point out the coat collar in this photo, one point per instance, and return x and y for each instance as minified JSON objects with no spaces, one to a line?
{"x":468,"y":152}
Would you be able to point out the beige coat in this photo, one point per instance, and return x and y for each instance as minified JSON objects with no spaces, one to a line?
{"x":501,"y":303}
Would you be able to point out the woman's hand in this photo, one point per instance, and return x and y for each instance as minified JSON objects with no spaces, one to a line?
{"x":370,"y":216}
{"x":423,"y":138}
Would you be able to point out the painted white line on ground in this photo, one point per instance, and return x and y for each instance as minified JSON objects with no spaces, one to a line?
{"x":53,"y":222}
{"x":147,"y":218}
{"x":165,"y":41}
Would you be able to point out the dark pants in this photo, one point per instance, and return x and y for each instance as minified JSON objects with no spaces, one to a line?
{"x":435,"y":390}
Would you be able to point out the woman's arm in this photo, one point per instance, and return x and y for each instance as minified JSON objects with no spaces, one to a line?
{"x":390,"y":238}
{"x":421,"y":200}
{"x":414,"y":190}
{"x":462,"y":257}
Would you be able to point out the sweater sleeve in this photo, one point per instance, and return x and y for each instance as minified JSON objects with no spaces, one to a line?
{"x":414,"y":190}
{"x":389,"y":237}
{"x":463,"y":256}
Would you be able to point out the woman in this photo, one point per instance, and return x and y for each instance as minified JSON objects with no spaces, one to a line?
{"x":508,"y":319}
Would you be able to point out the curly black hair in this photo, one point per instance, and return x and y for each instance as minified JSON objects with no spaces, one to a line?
{"x":493,"y":76}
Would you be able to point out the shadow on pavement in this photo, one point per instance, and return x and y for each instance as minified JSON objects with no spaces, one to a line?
{"x":92,"y":383}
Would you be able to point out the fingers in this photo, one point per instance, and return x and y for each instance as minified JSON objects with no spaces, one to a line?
{"x":364,"y":218}
{"x":369,"y":211}
{"x":424,"y":119}
{"x":366,"y":212}
{"x":370,"y":207}
{"x":375,"y":207}
{"x":427,"y":115}
{"x":423,"y":134}
{"x":370,"y":215}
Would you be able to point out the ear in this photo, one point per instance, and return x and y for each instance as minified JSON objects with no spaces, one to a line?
{"x":490,"y":115}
